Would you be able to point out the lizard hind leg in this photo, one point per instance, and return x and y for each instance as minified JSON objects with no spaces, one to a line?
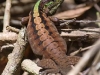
{"x":48,"y":66}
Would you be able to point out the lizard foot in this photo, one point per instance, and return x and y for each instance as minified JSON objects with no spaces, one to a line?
{"x":48,"y":66}
{"x":47,"y":73}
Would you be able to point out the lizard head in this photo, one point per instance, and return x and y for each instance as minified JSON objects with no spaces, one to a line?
{"x":50,"y":6}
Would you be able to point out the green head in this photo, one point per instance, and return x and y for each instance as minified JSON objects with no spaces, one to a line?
{"x":50,"y":6}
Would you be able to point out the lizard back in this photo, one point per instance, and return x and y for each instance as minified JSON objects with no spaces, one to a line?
{"x":42,"y":34}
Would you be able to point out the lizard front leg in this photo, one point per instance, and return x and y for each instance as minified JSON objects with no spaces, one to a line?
{"x":48,"y":65}
{"x":24,"y":20}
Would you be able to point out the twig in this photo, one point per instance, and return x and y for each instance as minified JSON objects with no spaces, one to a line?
{"x":15,"y":22}
{"x":97,"y":58}
{"x":13,"y":29}
{"x":95,"y":65}
{"x":77,"y":51}
{"x":8,"y":37}
{"x":97,"y":7}
{"x":16,"y":56}
{"x":66,"y":22}
{"x":80,"y":35}
{"x":25,"y":73}
{"x":96,"y":30}
{"x":87,"y":56}
{"x":6,"y":21}
{"x":30,"y":67}
{"x":6,"y":48}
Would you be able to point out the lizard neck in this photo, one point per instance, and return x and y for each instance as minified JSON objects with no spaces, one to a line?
{"x":36,"y":9}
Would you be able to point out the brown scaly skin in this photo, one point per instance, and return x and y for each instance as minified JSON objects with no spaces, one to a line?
{"x":46,"y":41}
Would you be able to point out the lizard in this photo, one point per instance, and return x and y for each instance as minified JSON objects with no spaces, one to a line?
{"x":46,"y":41}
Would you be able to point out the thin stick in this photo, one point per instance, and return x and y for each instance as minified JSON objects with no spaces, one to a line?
{"x":77,"y":51}
{"x":6,"y":21}
{"x":14,"y":59}
{"x":97,"y":7}
{"x":88,"y":55}
{"x":13,"y":29}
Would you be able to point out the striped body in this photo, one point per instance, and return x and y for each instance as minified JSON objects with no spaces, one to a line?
{"x":43,"y":35}
{"x":46,"y":41}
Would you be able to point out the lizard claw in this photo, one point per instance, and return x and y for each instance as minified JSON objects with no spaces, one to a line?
{"x":43,"y":73}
